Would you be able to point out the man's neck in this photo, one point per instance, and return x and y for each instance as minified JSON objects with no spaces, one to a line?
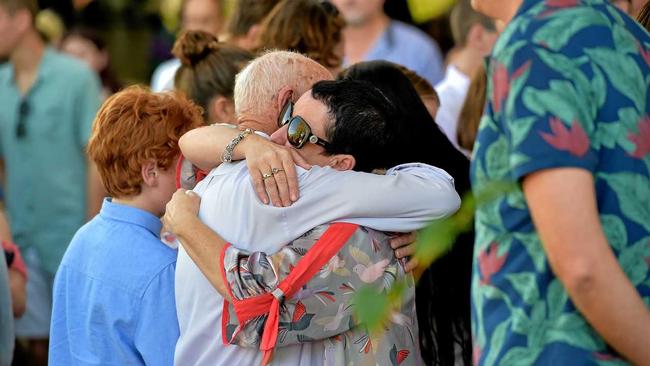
{"x":257,"y":123}
{"x":467,"y":61}
{"x":360,"y":38}
{"x":26,"y":59}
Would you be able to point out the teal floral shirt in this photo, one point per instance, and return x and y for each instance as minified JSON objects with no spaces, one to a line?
{"x":568,"y":87}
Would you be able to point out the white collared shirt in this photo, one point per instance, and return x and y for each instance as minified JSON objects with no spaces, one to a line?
{"x":405,"y":199}
{"x":452,"y":91}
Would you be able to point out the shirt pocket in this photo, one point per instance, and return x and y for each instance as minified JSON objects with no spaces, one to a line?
{"x":49,"y":123}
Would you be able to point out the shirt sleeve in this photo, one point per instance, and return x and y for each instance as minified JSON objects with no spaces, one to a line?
{"x":88,"y":101}
{"x":157,"y":330}
{"x":548,"y":107}
{"x":407,"y":198}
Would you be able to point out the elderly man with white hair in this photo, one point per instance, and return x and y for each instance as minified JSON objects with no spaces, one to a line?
{"x":264,"y":93}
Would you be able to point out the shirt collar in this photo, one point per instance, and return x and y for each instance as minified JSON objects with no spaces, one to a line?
{"x":43,"y":68}
{"x":131,"y":215}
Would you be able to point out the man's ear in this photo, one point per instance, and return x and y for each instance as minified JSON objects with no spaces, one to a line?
{"x":222,"y":110}
{"x":342,"y":162}
{"x":284,"y":95}
{"x":149,"y":173}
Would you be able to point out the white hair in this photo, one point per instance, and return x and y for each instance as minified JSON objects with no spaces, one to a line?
{"x":258,"y":84}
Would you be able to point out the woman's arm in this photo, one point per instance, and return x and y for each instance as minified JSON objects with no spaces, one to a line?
{"x":205,"y":146}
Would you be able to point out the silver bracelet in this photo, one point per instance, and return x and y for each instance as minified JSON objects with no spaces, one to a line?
{"x":226,"y":156}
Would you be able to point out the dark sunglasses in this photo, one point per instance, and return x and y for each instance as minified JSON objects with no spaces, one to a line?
{"x":299,"y":132}
{"x":21,"y":128}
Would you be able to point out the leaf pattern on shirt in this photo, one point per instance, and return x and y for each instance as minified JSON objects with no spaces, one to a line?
{"x":567,"y":87}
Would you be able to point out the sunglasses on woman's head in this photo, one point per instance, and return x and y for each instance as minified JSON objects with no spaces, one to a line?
{"x":299,"y":132}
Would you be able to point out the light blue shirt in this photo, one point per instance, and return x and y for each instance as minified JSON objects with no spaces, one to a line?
{"x":46,"y":181}
{"x":114,"y":293}
{"x":408,"y":46}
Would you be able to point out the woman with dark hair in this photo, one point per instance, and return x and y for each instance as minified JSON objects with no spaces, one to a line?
{"x":442,"y":294}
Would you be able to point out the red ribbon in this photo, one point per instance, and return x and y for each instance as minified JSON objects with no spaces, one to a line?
{"x":317,"y":256}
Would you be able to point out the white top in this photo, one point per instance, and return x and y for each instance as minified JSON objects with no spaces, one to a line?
{"x":406,"y":199}
{"x":163,"y":77}
{"x":452,"y":91}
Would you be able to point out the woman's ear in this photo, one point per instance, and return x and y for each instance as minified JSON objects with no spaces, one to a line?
{"x":342,"y":162}
{"x":222,"y":110}
{"x":149,"y":173}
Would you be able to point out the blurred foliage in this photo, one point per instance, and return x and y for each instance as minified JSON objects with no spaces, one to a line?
{"x":373,"y":308}
{"x":424,"y":10}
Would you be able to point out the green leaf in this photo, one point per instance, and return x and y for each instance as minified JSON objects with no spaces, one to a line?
{"x":516,"y":200}
{"x":623,"y":72}
{"x":598,"y":87}
{"x":617,"y":17}
{"x":557,"y":31}
{"x":623,"y":40}
{"x":371,"y":307}
{"x":515,"y":90}
{"x":556,"y":297}
{"x":560,"y":100}
{"x":496,"y":342}
{"x":520,"y":356}
{"x":496,"y":158}
{"x":633,"y":260}
{"x":614,"y":231}
{"x":633,"y":198}
{"x":609,"y":134}
{"x":505,"y":56}
{"x":519,"y":129}
{"x":525,"y":284}
{"x":573,"y":329}
{"x":520,"y":322}
{"x":533,"y":246}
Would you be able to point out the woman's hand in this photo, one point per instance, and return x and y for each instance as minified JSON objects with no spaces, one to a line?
{"x":181,"y":209}
{"x":404,"y":248}
{"x":273,"y":170}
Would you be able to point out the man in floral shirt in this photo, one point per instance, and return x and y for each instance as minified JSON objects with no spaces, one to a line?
{"x":561,"y":262}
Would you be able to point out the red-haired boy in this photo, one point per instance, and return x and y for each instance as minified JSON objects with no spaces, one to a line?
{"x":114,"y":291}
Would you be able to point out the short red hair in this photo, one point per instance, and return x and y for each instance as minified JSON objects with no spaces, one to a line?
{"x":134,"y":126}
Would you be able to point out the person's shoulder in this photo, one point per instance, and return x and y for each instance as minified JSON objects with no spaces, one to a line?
{"x":409,"y":33}
{"x":68,"y":68}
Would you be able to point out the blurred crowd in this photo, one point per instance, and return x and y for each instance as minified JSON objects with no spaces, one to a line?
{"x":287,"y":155}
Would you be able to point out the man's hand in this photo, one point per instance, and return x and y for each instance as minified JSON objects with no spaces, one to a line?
{"x":273,"y":170}
{"x":183,"y":206}
{"x":404,"y":247}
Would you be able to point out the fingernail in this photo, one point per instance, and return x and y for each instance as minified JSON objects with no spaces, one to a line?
{"x":294,"y":198}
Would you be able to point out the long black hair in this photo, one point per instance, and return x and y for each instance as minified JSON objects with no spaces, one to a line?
{"x":443,"y":292}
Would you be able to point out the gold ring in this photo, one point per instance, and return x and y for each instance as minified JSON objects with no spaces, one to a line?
{"x":276,"y":171}
{"x":267,"y":176}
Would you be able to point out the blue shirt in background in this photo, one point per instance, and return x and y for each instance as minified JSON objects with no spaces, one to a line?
{"x":113,"y":301}
{"x":406,"y":45}
{"x":43,"y":135}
